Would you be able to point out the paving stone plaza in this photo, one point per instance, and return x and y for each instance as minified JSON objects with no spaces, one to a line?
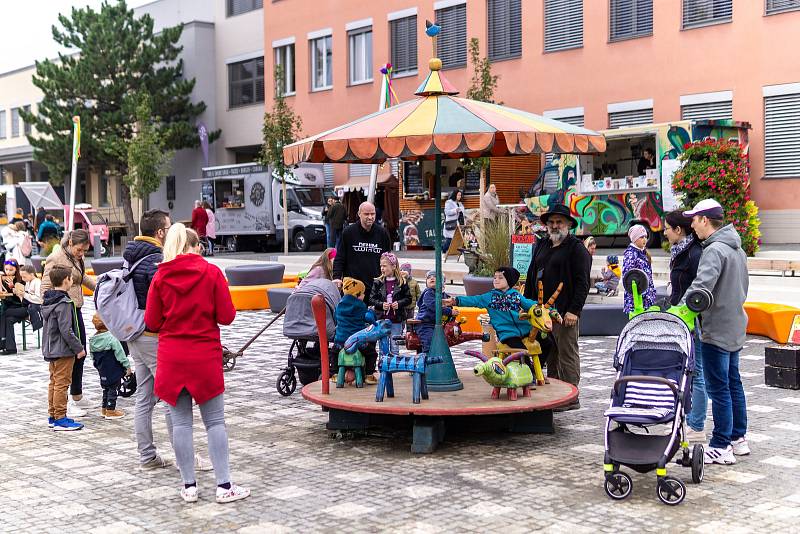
{"x":304,"y":480}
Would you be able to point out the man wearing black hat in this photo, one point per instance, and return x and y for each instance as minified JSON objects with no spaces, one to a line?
{"x":562,"y":258}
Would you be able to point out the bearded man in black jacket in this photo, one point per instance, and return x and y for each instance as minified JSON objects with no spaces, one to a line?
{"x":562,"y":258}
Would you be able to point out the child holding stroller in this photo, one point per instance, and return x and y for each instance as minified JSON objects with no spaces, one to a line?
{"x":427,"y":311}
{"x":611,"y":274}
{"x":637,"y":257}
{"x":321,"y":268}
{"x":111,"y":363}
{"x":504,"y":303}
{"x":390,"y":294}
{"x":352,"y":315}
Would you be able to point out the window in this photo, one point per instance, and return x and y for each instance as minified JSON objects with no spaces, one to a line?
{"x":102,"y":193}
{"x":321,"y":63}
{"x":630,"y":18}
{"x":452,"y":41}
{"x":780,"y":6}
{"x":404,"y":44}
{"x":14,"y":122}
{"x":284,"y":58}
{"x":708,"y":111}
{"x":505,"y":29}
{"x":698,"y":13}
{"x":563,"y":24}
{"x":27,"y":129}
{"x":635,"y":117}
{"x":3,"y":126}
{"x":360,"y":42}
{"x":246,"y":82}
{"x":782,"y":136}
{"x":237,"y":7}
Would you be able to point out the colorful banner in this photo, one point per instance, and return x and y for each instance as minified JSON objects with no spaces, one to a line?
{"x":76,"y":142}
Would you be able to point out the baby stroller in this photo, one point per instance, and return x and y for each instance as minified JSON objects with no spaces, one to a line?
{"x":299,"y":326}
{"x":653,"y":390}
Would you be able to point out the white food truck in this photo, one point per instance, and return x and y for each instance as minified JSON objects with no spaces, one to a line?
{"x":248,"y":205}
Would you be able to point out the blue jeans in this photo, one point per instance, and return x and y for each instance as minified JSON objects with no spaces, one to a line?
{"x":724,"y":388}
{"x":697,"y":416}
{"x":330,"y":239}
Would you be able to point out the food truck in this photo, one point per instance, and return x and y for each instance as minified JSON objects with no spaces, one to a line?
{"x":607,"y":194}
{"x":248,"y":205}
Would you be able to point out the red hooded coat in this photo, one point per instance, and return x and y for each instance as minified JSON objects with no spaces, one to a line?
{"x":188,"y":299}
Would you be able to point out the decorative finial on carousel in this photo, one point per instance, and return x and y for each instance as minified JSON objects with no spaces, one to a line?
{"x":432,"y":30}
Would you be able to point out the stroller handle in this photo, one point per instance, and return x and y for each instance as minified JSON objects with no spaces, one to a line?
{"x":644,"y":378}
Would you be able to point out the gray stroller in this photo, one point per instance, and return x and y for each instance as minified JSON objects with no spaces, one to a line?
{"x":299,"y":326}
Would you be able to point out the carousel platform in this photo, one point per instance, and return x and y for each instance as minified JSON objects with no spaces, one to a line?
{"x":469,"y":409}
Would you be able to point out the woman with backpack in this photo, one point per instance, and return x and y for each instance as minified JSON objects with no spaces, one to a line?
{"x":70,"y":255}
{"x":190,"y":355}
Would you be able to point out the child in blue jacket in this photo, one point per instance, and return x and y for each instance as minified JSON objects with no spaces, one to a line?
{"x":351,"y":316}
{"x":427,"y":311}
{"x":504,"y":305}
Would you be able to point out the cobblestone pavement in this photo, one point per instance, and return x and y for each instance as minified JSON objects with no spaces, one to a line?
{"x":303,"y":480}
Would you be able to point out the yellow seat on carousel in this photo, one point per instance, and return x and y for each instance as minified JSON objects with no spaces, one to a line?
{"x":254,"y":297}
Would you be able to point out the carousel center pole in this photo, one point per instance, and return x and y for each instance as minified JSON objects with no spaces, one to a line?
{"x":441,"y":376}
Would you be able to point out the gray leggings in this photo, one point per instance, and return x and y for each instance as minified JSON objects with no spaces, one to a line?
{"x":213,"y":414}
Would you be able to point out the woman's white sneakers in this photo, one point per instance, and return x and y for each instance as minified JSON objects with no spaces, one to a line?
{"x":233,"y":494}
{"x":740,"y":447}
{"x":715,"y":455}
{"x":189,"y":494}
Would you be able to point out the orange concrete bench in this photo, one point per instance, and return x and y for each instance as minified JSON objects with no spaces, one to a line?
{"x":771,"y":320}
{"x":254,"y":297}
{"x":291,"y":278}
{"x":472,"y":324}
{"x":86,"y":291}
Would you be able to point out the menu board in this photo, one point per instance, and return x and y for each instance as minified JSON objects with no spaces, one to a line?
{"x":522,"y":253}
{"x":472,"y":181}
{"x":413,"y":183}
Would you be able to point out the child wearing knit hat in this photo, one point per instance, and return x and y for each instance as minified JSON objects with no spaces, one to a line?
{"x":637,"y":257}
{"x":351,"y":316}
{"x":504,"y":303}
{"x":427,"y":311}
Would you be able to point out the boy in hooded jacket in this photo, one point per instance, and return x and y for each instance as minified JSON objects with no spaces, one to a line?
{"x":427,"y":311}
{"x":352,"y":315}
{"x":61,"y":344}
{"x":504,"y":304}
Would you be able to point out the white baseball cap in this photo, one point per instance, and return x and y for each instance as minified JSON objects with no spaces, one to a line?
{"x":709,"y":208}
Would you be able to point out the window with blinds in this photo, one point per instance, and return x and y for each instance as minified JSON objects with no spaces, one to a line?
{"x":629,"y":19}
{"x":360,"y":169}
{"x":782,"y":136}
{"x":327,"y":170}
{"x":774,"y":7}
{"x":284,"y":58}
{"x":404,"y":44}
{"x":708,"y":111}
{"x":246,"y":82}
{"x":27,"y":125}
{"x":15,"y":119}
{"x":636,"y":117}
{"x":452,"y":42}
{"x":321,"y":63}
{"x":237,"y":7}
{"x":563,"y":24}
{"x":504,"y":29}
{"x":698,"y":13}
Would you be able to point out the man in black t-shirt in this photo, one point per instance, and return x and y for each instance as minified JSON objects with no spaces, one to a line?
{"x":562,"y":258}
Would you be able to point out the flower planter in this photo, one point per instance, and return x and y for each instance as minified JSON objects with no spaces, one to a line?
{"x":475,"y":285}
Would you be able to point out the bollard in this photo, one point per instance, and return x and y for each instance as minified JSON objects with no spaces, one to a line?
{"x":320,"y":311}
{"x":98,"y":246}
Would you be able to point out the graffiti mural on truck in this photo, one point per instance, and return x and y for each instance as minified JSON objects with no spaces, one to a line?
{"x":613,"y":214}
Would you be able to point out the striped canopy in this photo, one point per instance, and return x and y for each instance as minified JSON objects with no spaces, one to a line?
{"x":439,"y":123}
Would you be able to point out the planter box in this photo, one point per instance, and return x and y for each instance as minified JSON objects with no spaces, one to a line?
{"x":476,"y":285}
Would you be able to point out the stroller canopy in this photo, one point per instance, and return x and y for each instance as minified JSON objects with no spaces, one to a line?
{"x":655,"y":330}
{"x":299,"y":322}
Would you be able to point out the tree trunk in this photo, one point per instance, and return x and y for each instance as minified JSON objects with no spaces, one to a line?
{"x":127,"y":209}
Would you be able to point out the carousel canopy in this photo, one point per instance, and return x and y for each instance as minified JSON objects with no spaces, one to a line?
{"x":439,"y":123}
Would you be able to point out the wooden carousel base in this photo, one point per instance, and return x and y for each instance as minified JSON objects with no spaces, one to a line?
{"x":471,"y":409}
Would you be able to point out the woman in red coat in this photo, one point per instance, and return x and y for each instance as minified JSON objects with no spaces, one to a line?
{"x":189,"y":364}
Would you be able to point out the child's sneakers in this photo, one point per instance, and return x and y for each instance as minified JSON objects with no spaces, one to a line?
{"x":716,"y":455}
{"x":74,"y":409}
{"x":234,"y":493}
{"x":51,"y":421}
{"x":370,"y":380}
{"x":66,"y":424}
{"x":108,"y":413}
{"x":740,"y":447}
{"x":189,"y":494}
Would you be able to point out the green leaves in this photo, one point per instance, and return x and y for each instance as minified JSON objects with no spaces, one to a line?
{"x":281,"y":127}
{"x":147,"y":156}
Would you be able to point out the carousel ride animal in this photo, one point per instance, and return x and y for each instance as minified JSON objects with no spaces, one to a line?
{"x":350,"y":358}
{"x":511,"y":368}
{"x":452,"y":332}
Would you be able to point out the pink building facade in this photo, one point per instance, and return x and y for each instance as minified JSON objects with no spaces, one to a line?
{"x":597,"y":62}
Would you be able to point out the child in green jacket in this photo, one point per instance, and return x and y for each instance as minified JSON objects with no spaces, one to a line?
{"x":111,"y":362}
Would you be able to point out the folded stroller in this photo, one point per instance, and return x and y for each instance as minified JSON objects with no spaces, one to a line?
{"x":652,"y":391}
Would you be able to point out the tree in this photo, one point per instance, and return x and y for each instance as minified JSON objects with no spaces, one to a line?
{"x":281,"y":127}
{"x":118,"y":58}
{"x":148,"y":157}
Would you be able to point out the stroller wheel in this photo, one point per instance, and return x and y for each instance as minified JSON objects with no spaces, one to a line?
{"x":286,"y":383}
{"x":228,"y":362}
{"x":618,"y":485}
{"x":698,"y":463}
{"x":670,"y":490}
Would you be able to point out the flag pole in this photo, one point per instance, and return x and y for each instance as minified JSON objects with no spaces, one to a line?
{"x":384,"y":102}
{"x":76,"y":153}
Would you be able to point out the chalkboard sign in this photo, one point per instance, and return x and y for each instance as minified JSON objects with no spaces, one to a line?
{"x":413,"y":183}
{"x":473,"y":181}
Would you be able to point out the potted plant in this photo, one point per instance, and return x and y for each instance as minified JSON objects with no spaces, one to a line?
{"x":494,"y":242}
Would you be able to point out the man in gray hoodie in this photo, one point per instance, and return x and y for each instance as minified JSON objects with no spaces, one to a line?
{"x":723,"y":271}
